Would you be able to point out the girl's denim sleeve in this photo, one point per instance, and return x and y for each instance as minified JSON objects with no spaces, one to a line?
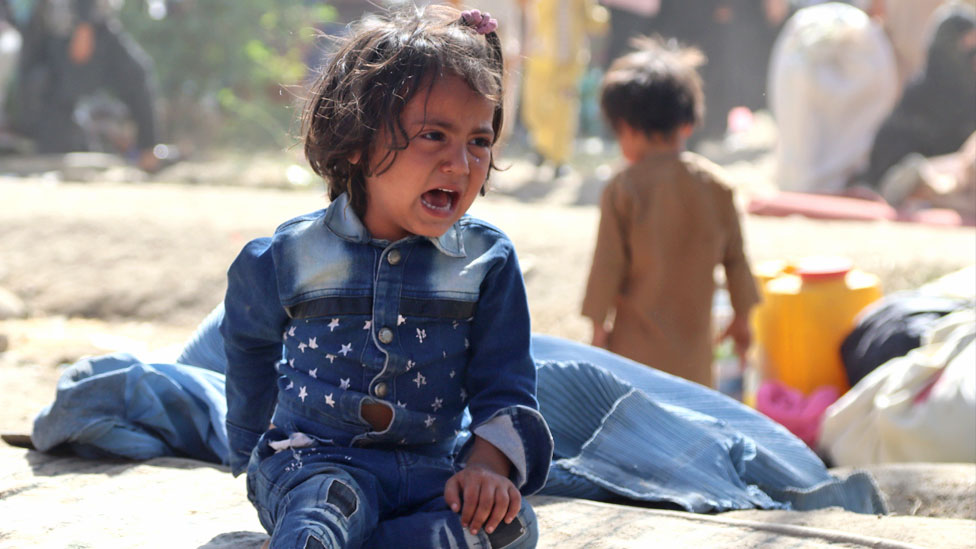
{"x":501,"y":377}
{"x":253,"y":323}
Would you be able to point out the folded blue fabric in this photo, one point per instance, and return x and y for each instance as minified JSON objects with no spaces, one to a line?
{"x":635,"y":438}
{"x":117,"y":406}
{"x":621,"y":429}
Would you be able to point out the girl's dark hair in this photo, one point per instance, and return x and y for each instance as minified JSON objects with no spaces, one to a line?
{"x":382,"y":65}
{"x":655,"y":89}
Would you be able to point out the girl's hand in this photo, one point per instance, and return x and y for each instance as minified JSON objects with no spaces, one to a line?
{"x":488,"y":496}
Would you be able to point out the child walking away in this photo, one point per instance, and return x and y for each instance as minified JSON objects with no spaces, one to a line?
{"x":364,"y":331}
{"x":666,"y":221}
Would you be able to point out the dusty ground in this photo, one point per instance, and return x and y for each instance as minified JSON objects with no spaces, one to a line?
{"x":110,"y":264}
{"x":101,"y":266}
{"x":91,"y":503}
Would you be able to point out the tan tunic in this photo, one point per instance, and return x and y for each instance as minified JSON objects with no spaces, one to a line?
{"x":665,"y":223}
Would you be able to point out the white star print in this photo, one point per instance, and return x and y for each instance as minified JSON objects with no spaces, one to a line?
{"x":291,"y":331}
{"x":466,"y":344}
{"x":438,"y":404}
{"x":314,"y":373}
{"x":401,"y":404}
{"x":302,"y":346}
{"x":302,"y":393}
{"x":329,"y":401}
{"x":400,"y":320}
{"x":334,"y":324}
{"x":421,"y":334}
{"x":455,"y":324}
{"x":291,"y":362}
{"x":284,"y":336}
{"x":452,"y":374}
{"x":444,"y":354}
{"x":420,"y":380}
{"x":464,"y":395}
{"x":331,"y":358}
{"x":290,"y":385}
{"x":313,"y":345}
{"x":429,"y":421}
{"x":368,"y":325}
{"x":346,"y":349}
{"x":410,"y":364}
{"x":344,"y":383}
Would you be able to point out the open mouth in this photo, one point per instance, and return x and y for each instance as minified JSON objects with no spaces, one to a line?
{"x":439,"y":200}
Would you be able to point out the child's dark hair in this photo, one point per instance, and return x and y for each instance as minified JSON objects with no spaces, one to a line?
{"x":655,"y":89}
{"x":363,"y":89}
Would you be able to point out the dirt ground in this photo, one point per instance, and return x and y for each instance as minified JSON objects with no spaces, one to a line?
{"x":101,"y":259}
{"x":102,"y":266}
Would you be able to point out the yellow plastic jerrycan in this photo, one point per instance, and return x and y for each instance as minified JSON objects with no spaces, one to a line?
{"x":808,"y":309}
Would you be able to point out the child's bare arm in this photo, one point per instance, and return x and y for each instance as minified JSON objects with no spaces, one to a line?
{"x":741,"y":334}
{"x":600,"y":334}
{"x":484,"y":489}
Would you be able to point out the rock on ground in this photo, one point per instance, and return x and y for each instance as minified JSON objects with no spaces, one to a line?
{"x":105,"y":266}
{"x":52,"y":501}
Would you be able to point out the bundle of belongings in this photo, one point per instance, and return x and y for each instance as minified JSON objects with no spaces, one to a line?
{"x":910,"y":361}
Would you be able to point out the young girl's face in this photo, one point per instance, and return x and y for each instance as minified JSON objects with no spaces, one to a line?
{"x":432,"y":182}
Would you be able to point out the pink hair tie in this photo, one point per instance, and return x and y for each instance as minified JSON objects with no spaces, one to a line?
{"x":482,"y":23}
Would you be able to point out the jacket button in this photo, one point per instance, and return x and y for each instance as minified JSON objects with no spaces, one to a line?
{"x":393,"y":257}
{"x":386,"y":335}
{"x":381,"y":390}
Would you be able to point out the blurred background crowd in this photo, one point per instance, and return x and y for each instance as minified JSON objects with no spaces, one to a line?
{"x":868,"y":96}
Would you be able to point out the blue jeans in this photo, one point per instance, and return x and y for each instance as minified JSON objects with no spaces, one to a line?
{"x":325,"y":496}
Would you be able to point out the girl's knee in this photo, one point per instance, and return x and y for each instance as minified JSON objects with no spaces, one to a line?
{"x":323,"y":512}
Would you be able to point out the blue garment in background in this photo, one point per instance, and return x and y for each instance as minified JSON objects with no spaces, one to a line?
{"x":116,"y":406}
{"x":621,"y":430}
{"x":625,"y":430}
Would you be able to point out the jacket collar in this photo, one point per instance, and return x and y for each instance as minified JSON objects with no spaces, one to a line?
{"x":344,"y":223}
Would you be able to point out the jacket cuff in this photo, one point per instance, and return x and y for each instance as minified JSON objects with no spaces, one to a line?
{"x":522,"y":435}
{"x":242,"y":442}
{"x":500,"y":432}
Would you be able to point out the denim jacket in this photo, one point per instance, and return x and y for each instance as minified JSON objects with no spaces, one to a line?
{"x":321,"y":318}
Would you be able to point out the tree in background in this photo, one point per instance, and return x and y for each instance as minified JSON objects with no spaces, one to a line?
{"x":228,"y":71}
